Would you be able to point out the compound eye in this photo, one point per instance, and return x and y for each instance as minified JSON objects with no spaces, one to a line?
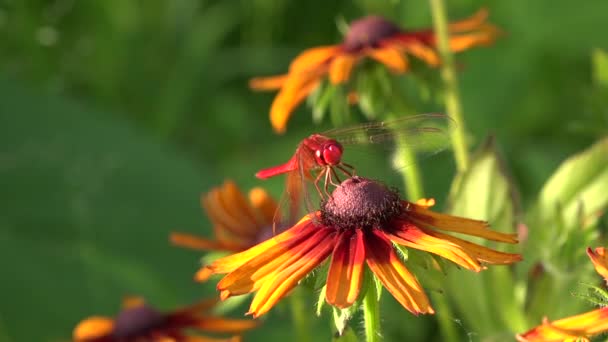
{"x":332,"y":154}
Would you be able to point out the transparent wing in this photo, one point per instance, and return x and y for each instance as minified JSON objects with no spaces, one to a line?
{"x":424,"y":133}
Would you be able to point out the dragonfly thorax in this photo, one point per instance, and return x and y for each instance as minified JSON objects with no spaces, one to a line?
{"x":329,"y":153}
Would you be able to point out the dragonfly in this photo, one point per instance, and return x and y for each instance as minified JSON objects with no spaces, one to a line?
{"x":318,"y":158}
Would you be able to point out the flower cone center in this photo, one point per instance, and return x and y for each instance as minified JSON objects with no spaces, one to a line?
{"x":360,"y":203}
{"x":134,"y":321}
{"x":368,"y":32}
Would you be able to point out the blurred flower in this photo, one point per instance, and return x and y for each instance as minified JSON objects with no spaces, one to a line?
{"x":238,"y":223}
{"x":139,"y":322}
{"x":579,"y":327}
{"x":358,"y":224}
{"x":373,"y":37}
{"x":599,"y":260}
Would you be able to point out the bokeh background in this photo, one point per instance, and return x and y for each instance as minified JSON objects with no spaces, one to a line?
{"x":116,"y":115}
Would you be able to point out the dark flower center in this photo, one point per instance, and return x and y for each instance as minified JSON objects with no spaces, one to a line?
{"x":368,"y":32}
{"x":136,"y":321}
{"x":360,"y":203}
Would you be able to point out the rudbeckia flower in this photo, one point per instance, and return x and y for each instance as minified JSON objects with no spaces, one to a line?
{"x":373,"y":37}
{"x":139,"y":321}
{"x":576,"y":328}
{"x":238,"y":222}
{"x":357,"y":225}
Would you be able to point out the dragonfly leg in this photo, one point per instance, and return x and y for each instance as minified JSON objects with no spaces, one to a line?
{"x":347,"y":169}
{"x":327,"y":181}
{"x":334,"y":174}
{"x":317,"y":182}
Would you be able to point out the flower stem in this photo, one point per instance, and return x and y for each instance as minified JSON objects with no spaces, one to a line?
{"x":444,"y":316}
{"x":371,"y":314}
{"x":408,"y":167}
{"x":452,"y":93}
{"x":300,"y":320}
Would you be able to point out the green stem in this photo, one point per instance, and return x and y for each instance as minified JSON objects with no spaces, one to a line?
{"x":300,"y":319}
{"x":371,"y":314}
{"x":410,"y":171}
{"x":452,"y":93}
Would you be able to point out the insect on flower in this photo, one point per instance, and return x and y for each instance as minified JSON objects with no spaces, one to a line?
{"x":318,"y":158}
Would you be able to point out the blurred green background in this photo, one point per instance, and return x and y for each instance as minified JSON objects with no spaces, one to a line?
{"x":116,"y":115}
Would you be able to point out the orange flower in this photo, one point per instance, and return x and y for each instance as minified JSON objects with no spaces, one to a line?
{"x":599,"y":260}
{"x":357,"y":225}
{"x":238,"y":223}
{"x":575,"y":328}
{"x":579,"y":327}
{"x":141,"y":322}
{"x":372,"y":37}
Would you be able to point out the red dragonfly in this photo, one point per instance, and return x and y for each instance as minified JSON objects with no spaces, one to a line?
{"x":319,"y":156}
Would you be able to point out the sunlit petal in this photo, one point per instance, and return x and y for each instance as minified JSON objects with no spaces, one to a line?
{"x":346,"y":269}
{"x":198,"y":243}
{"x":599,"y":258}
{"x":287,"y":278}
{"x":385,"y":264}
{"x":411,"y":236}
{"x":579,"y":326}
{"x":93,"y":327}
{"x":456,"y":224}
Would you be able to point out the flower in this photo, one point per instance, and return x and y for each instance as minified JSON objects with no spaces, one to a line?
{"x":237,"y":223}
{"x":599,"y":260}
{"x":373,"y":37}
{"x":579,"y":327}
{"x":575,"y":328}
{"x":357,"y":225}
{"x":139,"y":321}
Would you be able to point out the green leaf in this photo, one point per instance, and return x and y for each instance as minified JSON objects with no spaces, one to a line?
{"x":484,"y":192}
{"x":577,"y":189}
{"x":600,"y":67}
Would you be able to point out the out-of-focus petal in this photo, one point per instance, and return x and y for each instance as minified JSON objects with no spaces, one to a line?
{"x":264,"y":203}
{"x":340,"y":68}
{"x":267,"y":83}
{"x":198,"y":243}
{"x":346,"y":269}
{"x":390,"y":56}
{"x":92,"y":328}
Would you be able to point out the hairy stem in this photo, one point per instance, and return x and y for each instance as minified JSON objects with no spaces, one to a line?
{"x":371,"y":314}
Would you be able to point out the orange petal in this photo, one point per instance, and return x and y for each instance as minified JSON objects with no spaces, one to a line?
{"x":469,"y":23}
{"x":422,"y":51}
{"x":341,"y":67}
{"x":228,"y":207}
{"x":313,"y":58}
{"x":224,"y":325}
{"x":234,"y":261}
{"x":385,"y":264}
{"x":599,"y":260}
{"x":191,"y":310}
{"x":456,"y":224}
{"x":390,"y":56}
{"x":297,"y":87}
{"x":131,"y":302}
{"x":346,"y":269}
{"x":195,"y":242}
{"x":288,"y":277}
{"x":481,"y":253}
{"x":263,"y":268}
{"x":267,"y":83}
{"x":264,"y":204}
{"x":93,"y":328}
{"x":486,"y":35}
{"x":411,"y":236}
{"x":579,"y":326}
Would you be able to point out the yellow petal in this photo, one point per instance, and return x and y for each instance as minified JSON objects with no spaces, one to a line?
{"x":346,"y":269}
{"x":599,"y":258}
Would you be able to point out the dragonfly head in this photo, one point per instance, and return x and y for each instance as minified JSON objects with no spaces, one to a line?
{"x":330,"y":153}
